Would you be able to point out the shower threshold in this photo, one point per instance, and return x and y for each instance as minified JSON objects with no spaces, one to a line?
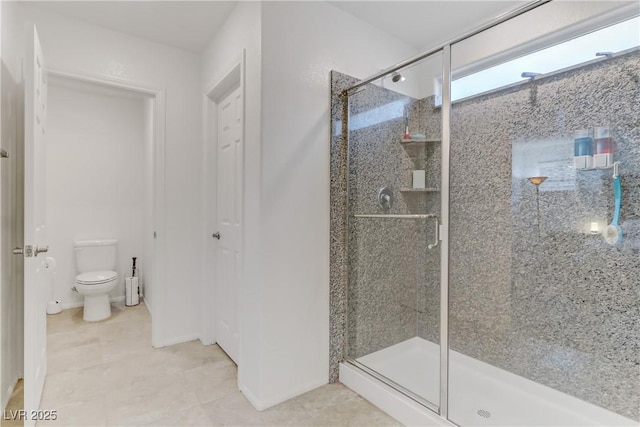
{"x":479,"y":394}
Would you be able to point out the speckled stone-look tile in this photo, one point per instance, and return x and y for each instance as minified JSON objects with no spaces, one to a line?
{"x":387,"y":264}
{"x":338,"y":230}
{"x":532,"y":293}
{"x":554,"y":304}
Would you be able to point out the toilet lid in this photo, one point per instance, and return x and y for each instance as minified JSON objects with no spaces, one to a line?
{"x":96,"y":277}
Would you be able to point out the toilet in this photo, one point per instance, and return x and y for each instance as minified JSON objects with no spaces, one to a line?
{"x":96,"y":263}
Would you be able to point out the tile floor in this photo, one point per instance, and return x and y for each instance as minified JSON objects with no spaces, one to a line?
{"x":16,"y":403}
{"x":107,"y":374}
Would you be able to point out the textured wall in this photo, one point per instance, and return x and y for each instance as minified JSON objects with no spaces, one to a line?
{"x":536,"y":295}
{"x":338,"y":225}
{"x":390,"y":270}
{"x":387,"y":256}
{"x":555,"y":304}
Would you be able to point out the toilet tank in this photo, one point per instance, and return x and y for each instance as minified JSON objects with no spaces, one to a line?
{"x":95,"y":255}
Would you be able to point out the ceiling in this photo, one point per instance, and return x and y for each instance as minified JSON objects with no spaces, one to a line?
{"x":190,"y":25}
{"x":426,"y":24}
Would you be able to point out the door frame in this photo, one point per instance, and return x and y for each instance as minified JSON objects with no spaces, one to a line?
{"x":232,"y":78}
{"x":158,"y":99}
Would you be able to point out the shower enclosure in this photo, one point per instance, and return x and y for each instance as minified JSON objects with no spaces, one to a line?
{"x":473,"y":267}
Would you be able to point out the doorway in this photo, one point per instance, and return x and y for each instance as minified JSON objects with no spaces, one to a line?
{"x":137,"y":187}
{"x":224,"y":166}
{"x":86,"y":164}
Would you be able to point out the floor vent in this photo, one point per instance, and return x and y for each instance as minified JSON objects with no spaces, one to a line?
{"x":483,"y":413}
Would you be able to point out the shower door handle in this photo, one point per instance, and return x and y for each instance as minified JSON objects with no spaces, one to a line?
{"x":437,"y":235}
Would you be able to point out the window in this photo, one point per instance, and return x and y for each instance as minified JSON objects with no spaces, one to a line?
{"x":610,"y":40}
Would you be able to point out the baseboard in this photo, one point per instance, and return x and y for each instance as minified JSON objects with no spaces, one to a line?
{"x":181,"y":339}
{"x":148,"y":306}
{"x":205,"y":341}
{"x":250,"y":396}
{"x":261,"y":405}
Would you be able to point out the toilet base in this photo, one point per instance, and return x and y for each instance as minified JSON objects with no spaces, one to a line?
{"x":96,"y":307}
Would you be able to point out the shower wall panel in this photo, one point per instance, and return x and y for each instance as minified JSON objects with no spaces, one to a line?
{"x":388,"y":265}
{"x":382,"y":259}
{"x":533,"y":291}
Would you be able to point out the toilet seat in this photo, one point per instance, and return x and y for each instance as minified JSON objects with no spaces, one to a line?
{"x":96,"y":277}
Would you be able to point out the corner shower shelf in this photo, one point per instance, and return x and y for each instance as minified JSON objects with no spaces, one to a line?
{"x":593,"y":169}
{"x":419,"y":190}
{"x":418,"y":142}
{"x":416,"y":148}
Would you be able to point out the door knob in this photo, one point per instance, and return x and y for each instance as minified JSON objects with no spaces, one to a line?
{"x":216,"y":235}
{"x":30,"y":251}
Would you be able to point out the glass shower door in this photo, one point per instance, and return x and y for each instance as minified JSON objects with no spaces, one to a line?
{"x":393,"y":178}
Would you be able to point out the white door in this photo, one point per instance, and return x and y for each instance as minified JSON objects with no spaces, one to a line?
{"x":229,"y":216}
{"x":35,"y":291}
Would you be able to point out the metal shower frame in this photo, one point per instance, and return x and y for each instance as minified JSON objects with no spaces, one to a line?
{"x":442,"y":408}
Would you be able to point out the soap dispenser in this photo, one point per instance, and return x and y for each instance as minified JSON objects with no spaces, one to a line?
{"x":583,"y":150}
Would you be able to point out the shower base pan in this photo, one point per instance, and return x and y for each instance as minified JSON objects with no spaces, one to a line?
{"x":479,"y":394}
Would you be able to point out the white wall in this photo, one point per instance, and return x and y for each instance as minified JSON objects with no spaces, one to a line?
{"x":301,"y":43}
{"x":147,"y":282}
{"x":11,"y":295}
{"x":242,"y":30}
{"x":73,"y":46}
{"x":284,"y":313}
{"x":290,"y":49}
{"x":96,"y":167}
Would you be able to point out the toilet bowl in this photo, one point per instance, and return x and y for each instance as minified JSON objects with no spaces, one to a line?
{"x":95,"y":287}
{"x":96,"y":261}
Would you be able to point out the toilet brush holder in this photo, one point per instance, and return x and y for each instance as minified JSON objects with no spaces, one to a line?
{"x":132,"y":291}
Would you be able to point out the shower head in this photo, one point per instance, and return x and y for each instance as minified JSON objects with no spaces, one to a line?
{"x":529,"y":75}
{"x":397,"y":77}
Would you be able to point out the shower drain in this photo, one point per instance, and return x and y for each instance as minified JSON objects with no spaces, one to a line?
{"x":483,"y":413}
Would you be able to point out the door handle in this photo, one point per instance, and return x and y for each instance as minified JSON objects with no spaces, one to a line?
{"x":41,"y":250}
{"x":216,"y":235}
{"x":30,"y":251}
